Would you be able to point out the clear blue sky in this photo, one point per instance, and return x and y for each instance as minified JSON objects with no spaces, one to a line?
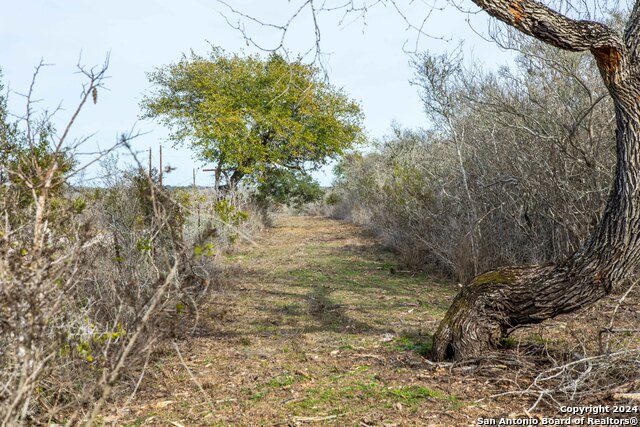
{"x":367,"y":58}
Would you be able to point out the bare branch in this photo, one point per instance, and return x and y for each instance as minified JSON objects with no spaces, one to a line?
{"x":357,"y":9}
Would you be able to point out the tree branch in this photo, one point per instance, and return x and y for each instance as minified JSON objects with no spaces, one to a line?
{"x":632,"y":34}
{"x":537,"y":20}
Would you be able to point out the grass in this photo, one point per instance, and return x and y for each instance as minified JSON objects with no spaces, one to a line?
{"x":412,"y":394}
{"x":283,"y":381}
{"x":315,"y":324}
{"x":419,"y":344}
{"x":367,"y":392}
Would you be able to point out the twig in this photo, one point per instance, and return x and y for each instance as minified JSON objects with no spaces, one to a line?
{"x":193,"y":378}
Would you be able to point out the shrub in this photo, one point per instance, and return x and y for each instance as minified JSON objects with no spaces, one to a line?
{"x":513,"y":171}
{"x":90,"y":279}
{"x":290,"y":188}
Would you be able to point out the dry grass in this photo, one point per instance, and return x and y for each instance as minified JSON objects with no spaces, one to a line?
{"x":321,"y":329}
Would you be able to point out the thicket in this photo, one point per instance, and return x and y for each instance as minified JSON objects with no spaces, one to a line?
{"x":513,"y":169}
{"x":92,"y":280}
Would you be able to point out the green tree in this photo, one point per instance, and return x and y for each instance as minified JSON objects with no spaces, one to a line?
{"x":289,"y":187}
{"x":251,"y":115}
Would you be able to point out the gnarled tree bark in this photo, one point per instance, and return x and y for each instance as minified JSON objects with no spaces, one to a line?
{"x":494,"y":303}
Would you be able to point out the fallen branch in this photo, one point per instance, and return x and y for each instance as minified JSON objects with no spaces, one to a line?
{"x":626,"y":396}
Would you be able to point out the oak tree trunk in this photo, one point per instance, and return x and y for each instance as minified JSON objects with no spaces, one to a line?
{"x":495,"y":302}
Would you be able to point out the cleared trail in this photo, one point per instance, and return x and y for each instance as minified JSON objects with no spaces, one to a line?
{"x":317,"y":326}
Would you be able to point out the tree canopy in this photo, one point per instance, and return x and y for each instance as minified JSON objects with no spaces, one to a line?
{"x":249,"y":115}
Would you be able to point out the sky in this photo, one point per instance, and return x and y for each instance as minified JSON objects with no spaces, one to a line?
{"x":365,"y":56}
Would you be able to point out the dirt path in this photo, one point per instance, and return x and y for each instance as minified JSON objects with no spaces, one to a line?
{"x":318,"y":328}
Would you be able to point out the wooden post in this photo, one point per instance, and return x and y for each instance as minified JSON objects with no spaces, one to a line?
{"x":195,"y":193}
{"x":216,"y":171}
{"x":161,"y":166}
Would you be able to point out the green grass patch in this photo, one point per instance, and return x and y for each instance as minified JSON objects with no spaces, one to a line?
{"x":319,"y":398}
{"x":420,"y":344}
{"x":412,"y":394}
{"x":284,"y":380}
{"x":258,"y":396}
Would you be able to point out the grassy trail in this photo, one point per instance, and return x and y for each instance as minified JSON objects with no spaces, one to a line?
{"x":317,"y":329}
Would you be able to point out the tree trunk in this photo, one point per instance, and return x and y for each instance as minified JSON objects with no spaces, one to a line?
{"x":496,"y":302}
{"x":231,"y":182}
